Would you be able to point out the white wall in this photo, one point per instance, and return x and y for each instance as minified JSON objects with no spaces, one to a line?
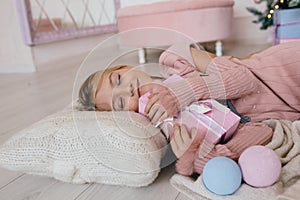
{"x":14,"y":55}
{"x":244,"y":30}
{"x":240,"y":7}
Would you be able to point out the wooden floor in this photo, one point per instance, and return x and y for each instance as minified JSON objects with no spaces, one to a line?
{"x":27,"y":98}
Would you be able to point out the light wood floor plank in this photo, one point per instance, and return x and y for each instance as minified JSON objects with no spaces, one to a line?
{"x":160,"y":189}
{"x":8,"y":177}
{"x":30,"y":187}
{"x":183,"y":197}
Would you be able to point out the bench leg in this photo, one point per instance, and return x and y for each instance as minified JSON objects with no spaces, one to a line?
{"x":142,"y":55}
{"x":219,"y":48}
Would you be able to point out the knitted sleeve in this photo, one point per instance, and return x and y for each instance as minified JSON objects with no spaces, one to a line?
{"x":245,"y":136}
{"x":225,"y":79}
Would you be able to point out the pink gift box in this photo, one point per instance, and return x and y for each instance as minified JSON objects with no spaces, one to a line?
{"x":217,"y":122}
{"x":213,"y":119}
{"x":143,"y":100}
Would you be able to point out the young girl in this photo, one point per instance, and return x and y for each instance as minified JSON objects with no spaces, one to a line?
{"x":262,"y":86}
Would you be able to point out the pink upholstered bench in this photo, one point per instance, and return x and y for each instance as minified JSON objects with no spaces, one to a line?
{"x":201,"y":20}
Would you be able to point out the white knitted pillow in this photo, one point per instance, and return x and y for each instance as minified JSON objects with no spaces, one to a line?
{"x":118,"y":148}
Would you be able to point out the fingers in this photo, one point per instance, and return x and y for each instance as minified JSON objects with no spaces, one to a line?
{"x":181,"y":135}
{"x":164,"y":97}
{"x":181,"y":140}
{"x":155,"y":111}
{"x":176,"y":141}
{"x":152,"y":100}
{"x":186,"y":138}
{"x":157,"y":114}
{"x":163,"y":117}
{"x":197,"y":137}
{"x":193,"y":132}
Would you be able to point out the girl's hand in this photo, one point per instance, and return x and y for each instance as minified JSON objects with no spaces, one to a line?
{"x":184,"y":143}
{"x":162,"y":103}
{"x":156,"y":112}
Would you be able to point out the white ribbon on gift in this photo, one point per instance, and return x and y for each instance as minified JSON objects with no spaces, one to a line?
{"x":196,"y":107}
{"x":170,"y":119}
{"x":199,"y":110}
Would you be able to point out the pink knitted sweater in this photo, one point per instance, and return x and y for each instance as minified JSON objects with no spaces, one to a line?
{"x":263,"y":86}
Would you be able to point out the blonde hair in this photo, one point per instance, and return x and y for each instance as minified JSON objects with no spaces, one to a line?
{"x":87,"y":90}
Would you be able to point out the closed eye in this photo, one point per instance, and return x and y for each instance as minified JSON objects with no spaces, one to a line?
{"x":121,"y":103}
{"x":118,"y":79}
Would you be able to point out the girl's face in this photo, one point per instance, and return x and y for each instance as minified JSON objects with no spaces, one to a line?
{"x":121,"y":89}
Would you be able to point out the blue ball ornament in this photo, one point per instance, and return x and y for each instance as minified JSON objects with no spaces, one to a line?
{"x":222,"y":176}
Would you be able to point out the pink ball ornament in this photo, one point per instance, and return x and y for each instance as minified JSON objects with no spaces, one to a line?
{"x":260,"y":166}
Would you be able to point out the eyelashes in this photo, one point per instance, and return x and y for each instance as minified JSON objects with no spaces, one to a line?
{"x":118,"y":79}
{"x":121,"y":103}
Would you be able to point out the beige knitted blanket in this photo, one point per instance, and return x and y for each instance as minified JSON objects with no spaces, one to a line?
{"x":286,"y":143}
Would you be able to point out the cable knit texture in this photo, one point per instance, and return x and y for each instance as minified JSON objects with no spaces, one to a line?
{"x":119,"y":148}
{"x":264,"y":86}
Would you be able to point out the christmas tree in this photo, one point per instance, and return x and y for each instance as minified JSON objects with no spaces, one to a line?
{"x":266,"y":17}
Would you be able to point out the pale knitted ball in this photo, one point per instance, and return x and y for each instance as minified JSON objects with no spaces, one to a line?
{"x":261,"y":167}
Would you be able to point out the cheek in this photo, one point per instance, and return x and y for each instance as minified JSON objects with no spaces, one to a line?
{"x":133,"y":104}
